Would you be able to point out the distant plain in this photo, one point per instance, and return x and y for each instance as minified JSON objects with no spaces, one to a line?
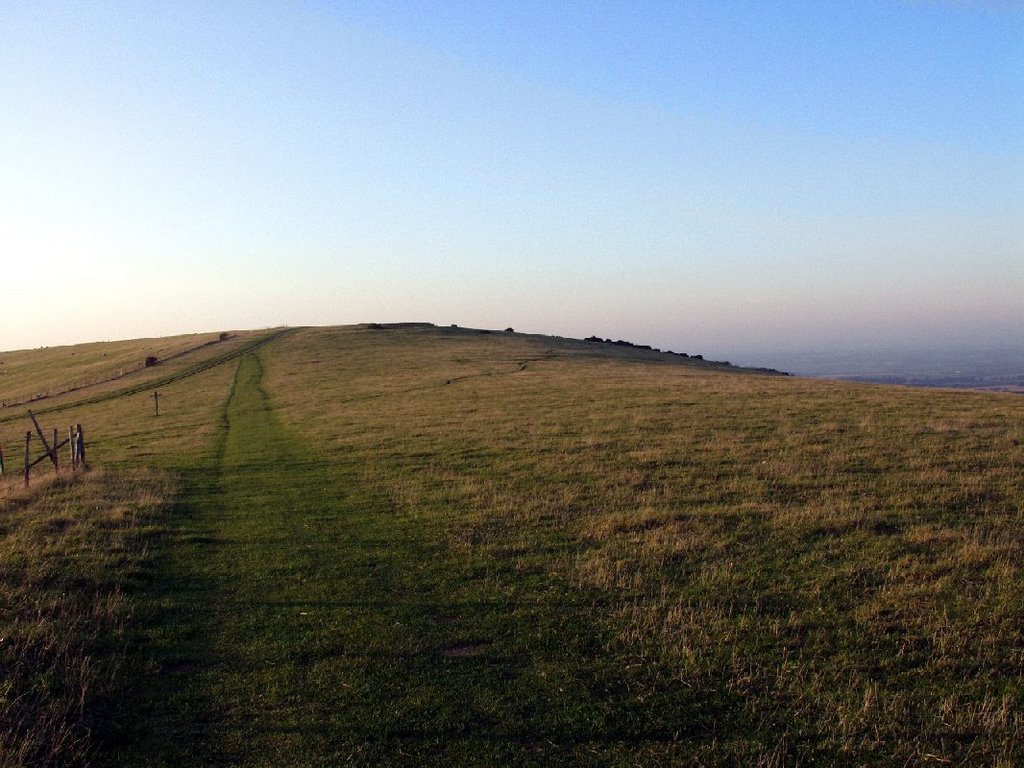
{"x":996,"y":369}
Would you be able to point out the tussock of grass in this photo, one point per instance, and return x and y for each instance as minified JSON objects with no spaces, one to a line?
{"x":69,"y":549}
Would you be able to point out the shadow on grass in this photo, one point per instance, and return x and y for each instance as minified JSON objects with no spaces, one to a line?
{"x":298,"y":619}
{"x":163,"y":719}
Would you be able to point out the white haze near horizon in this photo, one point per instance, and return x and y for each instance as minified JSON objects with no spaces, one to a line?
{"x":724,"y":179}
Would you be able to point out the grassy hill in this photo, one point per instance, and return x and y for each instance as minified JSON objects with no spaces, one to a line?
{"x":400,"y":545}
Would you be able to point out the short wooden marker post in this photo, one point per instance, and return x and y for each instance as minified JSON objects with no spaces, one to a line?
{"x":156,"y":402}
{"x":28,"y":459}
{"x":1,"y":461}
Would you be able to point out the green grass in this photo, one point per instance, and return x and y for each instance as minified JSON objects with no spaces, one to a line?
{"x":422,"y":545}
{"x":51,"y":371}
{"x":311,"y":623}
{"x":185,"y":364}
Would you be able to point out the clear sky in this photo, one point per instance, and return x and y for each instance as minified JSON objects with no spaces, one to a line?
{"x":701,"y":176}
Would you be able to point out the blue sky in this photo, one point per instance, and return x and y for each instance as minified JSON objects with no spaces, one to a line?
{"x":708,"y":177}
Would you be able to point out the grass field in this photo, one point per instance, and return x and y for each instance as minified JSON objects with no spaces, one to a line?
{"x":423,"y":545}
{"x":41,"y":374}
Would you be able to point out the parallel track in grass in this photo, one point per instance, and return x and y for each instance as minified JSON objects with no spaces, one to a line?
{"x":145,"y":386}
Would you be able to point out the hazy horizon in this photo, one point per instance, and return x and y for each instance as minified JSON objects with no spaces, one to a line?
{"x":865,"y":362}
{"x":705,"y":177}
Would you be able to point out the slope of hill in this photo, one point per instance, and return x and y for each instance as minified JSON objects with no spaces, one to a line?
{"x":46,"y":377}
{"x":435,"y":545}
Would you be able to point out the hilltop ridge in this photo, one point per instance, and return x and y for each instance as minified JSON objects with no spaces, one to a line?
{"x":49,"y":373}
{"x":608,"y":345}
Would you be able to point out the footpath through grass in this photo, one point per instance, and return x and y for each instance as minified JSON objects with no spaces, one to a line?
{"x":435,"y":546}
{"x":305,"y":621}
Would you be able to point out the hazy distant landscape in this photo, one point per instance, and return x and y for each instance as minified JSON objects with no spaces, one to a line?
{"x":991,"y":369}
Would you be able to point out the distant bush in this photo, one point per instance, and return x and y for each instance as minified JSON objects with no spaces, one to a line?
{"x":510,"y":330}
{"x":623,"y":343}
{"x":152,"y":360}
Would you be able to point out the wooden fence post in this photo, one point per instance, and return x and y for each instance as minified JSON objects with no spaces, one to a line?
{"x":52,"y":452}
{"x":56,"y":457}
{"x":71,"y":447}
{"x":1,"y":461}
{"x":81,"y":446}
{"x":28,"y":459}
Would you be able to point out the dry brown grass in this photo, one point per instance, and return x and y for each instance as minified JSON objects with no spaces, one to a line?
{"x":69,"y":548}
